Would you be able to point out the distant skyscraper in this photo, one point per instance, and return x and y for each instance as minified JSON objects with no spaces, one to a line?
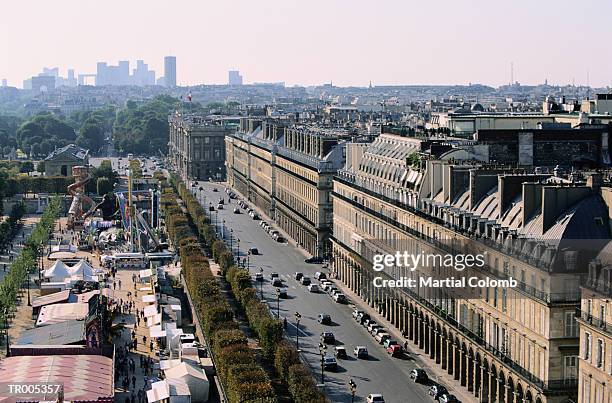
{"x":170,"y":71}
{"x":234,"y":77}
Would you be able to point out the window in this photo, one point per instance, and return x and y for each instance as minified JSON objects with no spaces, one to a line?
{"x":601,"y":347}
{"x":586,"y":348}
{"x":504,"y":300}
{"x":570,"y":367}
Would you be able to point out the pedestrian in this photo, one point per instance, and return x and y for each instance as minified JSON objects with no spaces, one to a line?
{"x":151,"y":346}
{"x":133,"y":381}
{"x":144,"y":338}
{"x":285,"y":323}
{"x":135,"y":344}
{"x":119,"y":283}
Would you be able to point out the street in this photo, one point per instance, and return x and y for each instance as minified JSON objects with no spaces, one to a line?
{"x":380,"y":373}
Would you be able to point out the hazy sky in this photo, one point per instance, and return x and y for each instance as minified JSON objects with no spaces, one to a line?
{"x":349,"y":42}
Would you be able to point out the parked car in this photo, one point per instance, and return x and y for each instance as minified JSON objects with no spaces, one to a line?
{"x":253,"y":251}
{"x":394,"y":350}
{"x":273,"y":275}
{"x":211,"y":208}
{"x":219,"y":206}
{"x":375,"y":398}
{"x":305,"y":280}
{"x":325,"y":285}
{"x":372,"y":325}
{"x":328,"y":338}
{"x":324,"y":319}
{"x":282,"y":293}
{"x":436,"y":391}
{"x":221,"y":201}
{"x":255,"y":216}
{"x":236,"y":210}
{"x":341,"y":352}
{"x":367,"y":322}
{"x":298,"y":275}
{"x":377,"y":329}
{"x":263,"y":224}
{"x":313,"y":288}
{"x":332,"y":290}
{"x":314,"y":259}
{"x":363,"y":317}
{"x":356,"y":313}
{"x":320,"y":276}
{"x":259,"y":277}
{"x":280,"y":239}
{"x":382,"y":337}
{"x":330,"y":363}
{"x":277,"y":282}
{"x":448,"y":398}
{"x":340,"y":298}
{"x":419,"y":375}
{"x":390,"y":342}
{"x":360,"y":352}
{"x":215,"y":190}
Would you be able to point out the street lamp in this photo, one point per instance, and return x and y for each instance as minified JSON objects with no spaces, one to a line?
{"x":353,"y":387}
{"x":223,"y":230}
{"x":278,"y":293}
{"x":297,"y":330}
{"x":261,"y":284}
{"x":28,"y":285}
{"x":322,"y":350}
{"x":238,"y":248}
{"x":231,"y":236}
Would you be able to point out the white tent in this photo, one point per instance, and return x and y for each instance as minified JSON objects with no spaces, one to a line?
{"x":195,"y":378}
{"x":82,"y":269}
{"x":174,"y":390}
{"x":58,"y":272}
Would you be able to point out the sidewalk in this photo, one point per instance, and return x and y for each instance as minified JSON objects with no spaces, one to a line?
{"x":124,"y":370}
{"x":422,"y":360}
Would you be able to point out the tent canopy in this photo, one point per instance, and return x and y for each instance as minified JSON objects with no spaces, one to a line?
{"x":58,"y":272}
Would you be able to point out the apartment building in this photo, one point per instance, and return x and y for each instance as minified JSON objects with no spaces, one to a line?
{"x":197,"y":146}
{"x":503,"y":344}
{"x":595,"y":322}
{"x":287,"y":170}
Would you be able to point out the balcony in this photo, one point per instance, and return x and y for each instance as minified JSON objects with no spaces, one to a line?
{"x":591,"y":320}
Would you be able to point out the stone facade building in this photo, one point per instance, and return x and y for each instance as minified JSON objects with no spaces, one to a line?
{"x":197,"y":147}
{"x":510,"y":345}
{"x":287,"y":172}
{"x":61,"y":161}
{"x":595,"y":322}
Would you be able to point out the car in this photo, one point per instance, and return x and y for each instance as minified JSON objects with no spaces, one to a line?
{"x":394,"y":350}
{"x":372,"y":325}
{"x":219,"y":206}
{"x":419,"y":375}
{"x":356,"y":313}
{"x":236,"y":210}
{"x":448,"y":398}
{"x":221,"y":201}
{"x":326,"y":285}
{"x":262,"y":223}
{"x":255,"y":216}
{"x":341,"y":352}
{"x":259,"y":277}
{"x":298,"y":275}
{"x":314,"y":260}
{"x":382,"y":337}
{"x":320,"y":276}
{"x":328,"y":338}
{"x":360,"y":352}
{"x":253,"y":251}
{"x":211,"y":208}
{"x":377,"y":329}
{"x":232,"y":195}
{"x":390,"y":342}
{"x":305,"y":280}
{"x":363,"y":317}
{"x":324,"y":319}
{"x":366,"y":322}
{"x":375,"y":398}
{"x":332,"y":290}
{"x":330,"y":363}
{"x":313,"y":288}
{"x":282,"y":293}
{"x":277,"y":282}
{"x":340,"y":298}
{"x":280,"y":239}
{"x":273,"y":275}
{"x":215,"y":190}
{"x":436,"y":391}
{"x":273,"y":232}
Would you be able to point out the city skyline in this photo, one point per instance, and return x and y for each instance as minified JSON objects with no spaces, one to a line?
{"x":349,"y":50}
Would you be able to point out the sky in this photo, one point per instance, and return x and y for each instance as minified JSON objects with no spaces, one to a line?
{"x":346,"y":42}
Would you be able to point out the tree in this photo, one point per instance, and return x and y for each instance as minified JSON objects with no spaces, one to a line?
{"x":26,"y":167}
{"x":40,"y":167}
{"x":91,"y":135}
{"x":104,"y":186}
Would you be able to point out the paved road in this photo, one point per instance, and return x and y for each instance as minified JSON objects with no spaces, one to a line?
{"x":120,"y":165}
{"x":378,"y":374}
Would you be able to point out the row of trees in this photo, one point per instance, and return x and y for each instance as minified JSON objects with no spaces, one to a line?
{"x":10,"y":226}
{"x":26,"y":262}
{"x":242,"y":376}
{"x":269,"y":330}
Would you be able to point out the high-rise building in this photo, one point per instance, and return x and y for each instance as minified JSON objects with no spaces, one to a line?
{"x":142,"y":75}
{"x":234,"y":78}
{"x":170,"y":71}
